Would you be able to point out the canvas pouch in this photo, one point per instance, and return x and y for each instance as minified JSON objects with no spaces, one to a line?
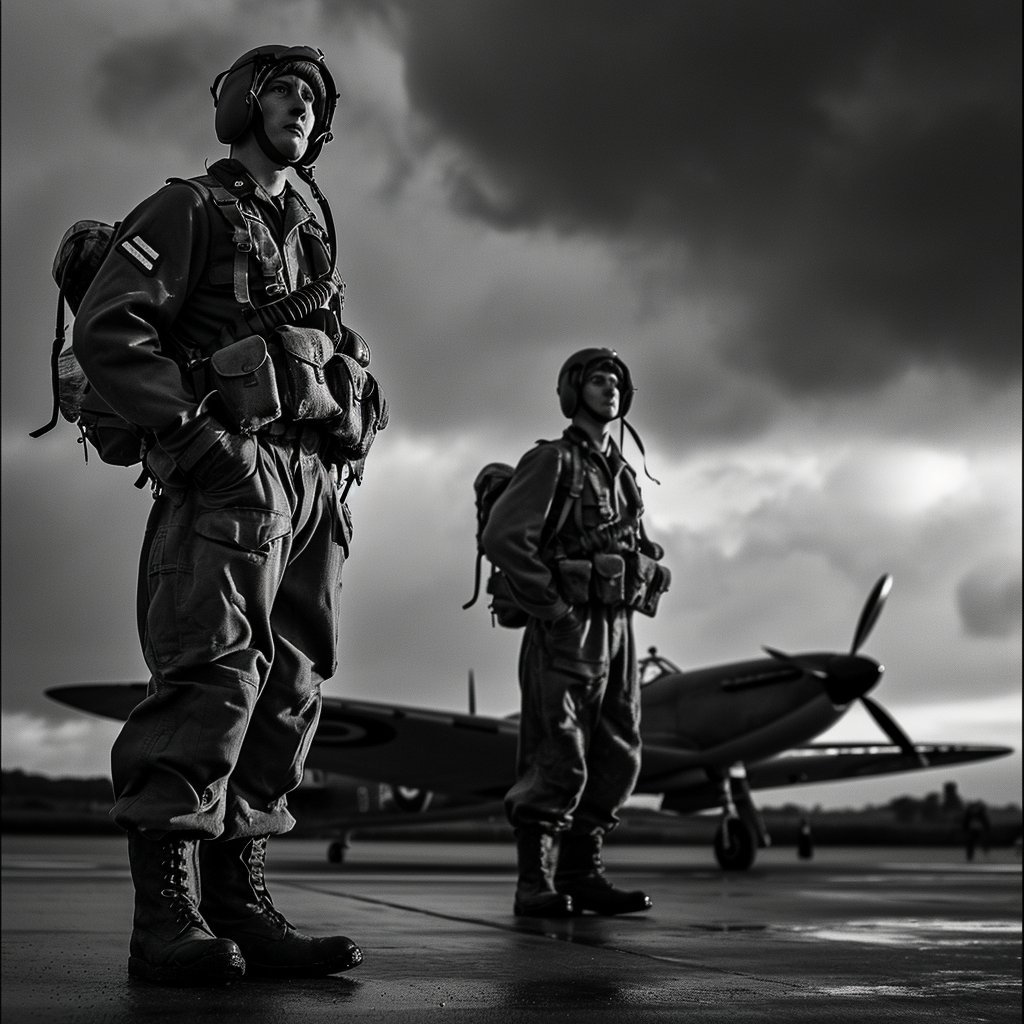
{"x":609,"y":579}
{"x":646,"y":581}
{"x":302,"y":355}
{"x":243,"y":374}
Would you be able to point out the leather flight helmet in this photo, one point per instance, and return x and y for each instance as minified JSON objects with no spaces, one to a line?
{"x":235,"y":93}
{"x":574,"y":372}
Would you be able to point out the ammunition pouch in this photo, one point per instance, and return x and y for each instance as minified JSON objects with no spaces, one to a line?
{"x":646,"y":581}
{"x":630,"y":580}
{"x":297,"y":376}
{"x":244,"y":376}
{"x":609,"y":579}
{"x":364,"y":409}
{"x":302,"y":354}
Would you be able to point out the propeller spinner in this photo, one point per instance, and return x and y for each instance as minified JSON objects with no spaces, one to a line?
{"x":848,"y":677}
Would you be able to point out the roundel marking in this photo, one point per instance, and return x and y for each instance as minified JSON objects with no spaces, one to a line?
{"x":352,"y":731}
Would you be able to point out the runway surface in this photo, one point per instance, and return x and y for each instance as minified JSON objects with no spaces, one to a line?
{"x":853,"y":935}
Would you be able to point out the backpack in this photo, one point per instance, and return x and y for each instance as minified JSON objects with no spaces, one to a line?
{"x":489,"y":485}
{"x":82,"y":250}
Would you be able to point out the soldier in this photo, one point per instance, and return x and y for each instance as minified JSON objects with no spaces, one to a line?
{"x":567,"y":534}
{"x":241,"y":564}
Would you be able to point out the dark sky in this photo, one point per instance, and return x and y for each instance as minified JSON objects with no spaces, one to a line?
{"x":799,"y":222}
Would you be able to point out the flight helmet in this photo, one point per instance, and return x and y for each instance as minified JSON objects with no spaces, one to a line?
{"x":574,"y":372}
{"x":236,"y":91}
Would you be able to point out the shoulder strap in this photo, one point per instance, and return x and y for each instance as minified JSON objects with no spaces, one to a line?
{"x":570,"y":485}
{"x":575,"y":491}
{"x":211,"y":191}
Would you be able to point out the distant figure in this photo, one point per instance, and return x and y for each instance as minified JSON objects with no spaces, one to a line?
{"x":804,"y":840}
{"x":568,"y":535}
{"x":976,"y":827}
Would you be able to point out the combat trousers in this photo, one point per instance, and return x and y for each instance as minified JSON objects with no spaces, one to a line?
{"x":579,"y":731}
{"x":238,"y":600}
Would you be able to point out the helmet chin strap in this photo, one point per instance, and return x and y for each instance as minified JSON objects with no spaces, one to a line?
{"x":270,"y":151}
{"x":305,"y":173}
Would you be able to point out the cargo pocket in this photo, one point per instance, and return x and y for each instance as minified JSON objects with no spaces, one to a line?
{"x":342,"y":525}
{"x":580,"y":650}
{"x":247,"y":529}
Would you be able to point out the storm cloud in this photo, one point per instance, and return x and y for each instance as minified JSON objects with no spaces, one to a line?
{"x":845,"y":176}
{"x":850,"y":169}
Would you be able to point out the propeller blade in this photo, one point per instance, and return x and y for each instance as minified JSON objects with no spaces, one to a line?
{"x":472,"y":693}
{"x":888,"y":725}
{"x":872,"y":609}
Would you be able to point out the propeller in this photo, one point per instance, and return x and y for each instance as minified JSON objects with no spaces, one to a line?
{"x":869,"y":613}
{"x":472,"y":693}
{"x":888,"y":725}
{"x":848,"y":677}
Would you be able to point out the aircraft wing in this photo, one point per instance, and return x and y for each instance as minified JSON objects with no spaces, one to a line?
{"x":436,"y":750}
{"x":822,"y":762}
{"x":468,"y":754}
{"x":405,"y":746}
{"x":109,"y":700}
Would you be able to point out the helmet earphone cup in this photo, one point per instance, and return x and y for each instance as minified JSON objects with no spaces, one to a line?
{"x":234,"y":95}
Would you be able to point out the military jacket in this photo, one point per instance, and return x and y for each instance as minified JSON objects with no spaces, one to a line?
{"x":520,"y":536}
{"x":169,"y":289}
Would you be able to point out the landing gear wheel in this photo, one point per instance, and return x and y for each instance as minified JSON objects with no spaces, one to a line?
{"x":336,"y":853}
{"x":735,"y":845}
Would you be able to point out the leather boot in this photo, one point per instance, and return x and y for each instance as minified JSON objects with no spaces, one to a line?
{"x":171,"y":943}
{"x":581,"y":876}
{"x":237,"y":906}
{"x":535,"y":893}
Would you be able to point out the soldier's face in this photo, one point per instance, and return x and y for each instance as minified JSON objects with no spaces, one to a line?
{"x":287,"y":105}
{"x":601,"y":394}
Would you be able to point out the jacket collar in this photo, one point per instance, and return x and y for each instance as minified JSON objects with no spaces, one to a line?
{"x":233,"y":175}
{"x":580,"y":437}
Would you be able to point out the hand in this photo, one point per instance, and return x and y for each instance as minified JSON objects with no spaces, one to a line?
{"x":227,"y":463}
{"x":565,"y":626}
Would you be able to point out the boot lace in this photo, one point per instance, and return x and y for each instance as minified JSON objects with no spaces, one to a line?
{"x":174,"y":861}
{"x":257,"y":862}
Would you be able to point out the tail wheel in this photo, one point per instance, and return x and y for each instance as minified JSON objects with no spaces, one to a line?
{"x":336,"y":853}
{"x":735,"y":845}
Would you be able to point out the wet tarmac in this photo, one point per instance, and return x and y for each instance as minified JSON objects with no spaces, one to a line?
{"x":853,"y":935}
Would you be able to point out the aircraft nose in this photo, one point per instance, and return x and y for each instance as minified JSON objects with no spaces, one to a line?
{"x":849,"y":676}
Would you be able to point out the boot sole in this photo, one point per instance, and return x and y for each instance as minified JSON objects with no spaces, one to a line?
{"x":216,"y":969}
{"x":579,"y":906}
{"x":544,"y":912}
{"x":336,"y":966}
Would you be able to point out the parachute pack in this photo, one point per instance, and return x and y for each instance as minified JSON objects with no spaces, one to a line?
{"x":81,"y":252}
{"x":489,"y":485}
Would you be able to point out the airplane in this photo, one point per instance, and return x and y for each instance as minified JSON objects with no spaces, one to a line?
{"x":710,"y":737}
